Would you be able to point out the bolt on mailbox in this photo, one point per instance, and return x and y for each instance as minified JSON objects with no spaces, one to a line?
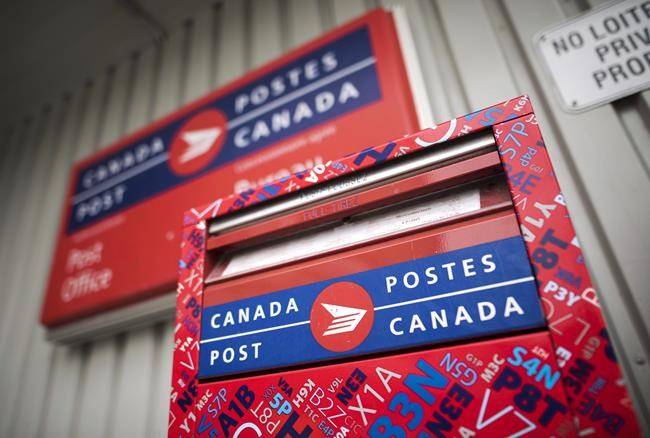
{"x":430,"y":286}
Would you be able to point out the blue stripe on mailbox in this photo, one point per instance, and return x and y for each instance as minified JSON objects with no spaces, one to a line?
{"x":475,"y":291}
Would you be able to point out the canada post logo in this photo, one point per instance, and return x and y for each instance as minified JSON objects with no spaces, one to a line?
{"x":342,"y":316}
{"x":330,"y":81}
{"x":198,"y":142}
{"x":469,"y":292}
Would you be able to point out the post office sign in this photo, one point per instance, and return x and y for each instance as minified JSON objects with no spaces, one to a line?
{"x":120,"y":231}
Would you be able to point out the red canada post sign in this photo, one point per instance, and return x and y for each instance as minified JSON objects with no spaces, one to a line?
{"x":119,"y":236}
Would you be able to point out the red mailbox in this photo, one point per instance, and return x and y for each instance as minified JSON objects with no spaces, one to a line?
{"x":430,"y":286}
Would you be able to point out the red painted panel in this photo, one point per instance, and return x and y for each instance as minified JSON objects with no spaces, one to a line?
{"x":593,"y":380}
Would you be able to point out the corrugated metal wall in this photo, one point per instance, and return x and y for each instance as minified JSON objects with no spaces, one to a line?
{"x":472,"y":54}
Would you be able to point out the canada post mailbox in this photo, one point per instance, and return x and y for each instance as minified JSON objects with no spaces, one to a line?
{"x":430,"y":286}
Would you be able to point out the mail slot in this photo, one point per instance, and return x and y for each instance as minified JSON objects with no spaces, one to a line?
{"x":403,"y":290}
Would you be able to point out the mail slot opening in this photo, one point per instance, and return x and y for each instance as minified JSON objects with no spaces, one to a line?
{"x":437,"y":155}
{"x":328,"y":204}
{"x":362,"y":227}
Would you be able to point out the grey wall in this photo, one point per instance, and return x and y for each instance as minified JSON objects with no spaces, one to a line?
{"x":472,"y":53}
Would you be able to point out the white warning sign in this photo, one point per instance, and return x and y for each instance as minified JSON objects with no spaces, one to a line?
{"x":600,"y":56}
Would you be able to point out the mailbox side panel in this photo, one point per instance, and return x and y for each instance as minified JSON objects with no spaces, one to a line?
{"x":189,"y":305}
{"x":592,"y":378}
